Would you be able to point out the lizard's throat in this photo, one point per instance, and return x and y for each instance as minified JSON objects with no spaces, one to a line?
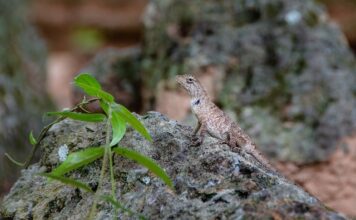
{"x":195,"y":91}
{"x":197,"y":104}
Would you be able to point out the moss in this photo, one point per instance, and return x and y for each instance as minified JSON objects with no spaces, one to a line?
{"x":312,"y":18}
{"x":273,"y":9}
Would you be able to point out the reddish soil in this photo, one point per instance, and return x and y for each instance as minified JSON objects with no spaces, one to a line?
{"x":333,"y":182}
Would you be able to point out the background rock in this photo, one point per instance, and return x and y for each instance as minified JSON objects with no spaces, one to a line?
{"x":210,"y":181}
{"x":288,"y":74}
{"x":23,"y":98}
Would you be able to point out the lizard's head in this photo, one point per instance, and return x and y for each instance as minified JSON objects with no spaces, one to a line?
{"x":192,"y":85}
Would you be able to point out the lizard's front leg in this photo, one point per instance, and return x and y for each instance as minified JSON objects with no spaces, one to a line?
{"x":199,"y":138}
{"x":197,"y":128}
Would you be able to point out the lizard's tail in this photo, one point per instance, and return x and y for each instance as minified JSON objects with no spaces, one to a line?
{"x":252,"y":150}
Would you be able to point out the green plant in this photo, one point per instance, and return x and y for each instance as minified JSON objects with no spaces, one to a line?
{"x":116,"y":116}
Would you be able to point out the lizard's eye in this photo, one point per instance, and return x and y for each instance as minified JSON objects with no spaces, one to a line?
{"x":190,"y":80}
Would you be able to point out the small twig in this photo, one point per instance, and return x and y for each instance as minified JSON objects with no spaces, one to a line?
{"x":83,"y":109}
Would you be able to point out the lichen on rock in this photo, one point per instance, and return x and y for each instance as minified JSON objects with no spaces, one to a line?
{"x":211,"y":181}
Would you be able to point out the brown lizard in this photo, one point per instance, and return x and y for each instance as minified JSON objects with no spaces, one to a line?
{"x":215,"y":122}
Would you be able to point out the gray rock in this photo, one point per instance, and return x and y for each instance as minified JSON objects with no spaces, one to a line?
{"x":211,"y":181}
{"x":289,"y":74}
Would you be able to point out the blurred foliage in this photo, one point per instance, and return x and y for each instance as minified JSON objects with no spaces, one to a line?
{"x":87,"y":40}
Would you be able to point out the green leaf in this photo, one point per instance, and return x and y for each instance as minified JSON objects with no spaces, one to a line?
{"x":78,"y":159}
{"x":92,"y":117}
{"x":145,"y":161}
{"x":118,"y":128}
{"x":68,"y":181}
{"x":87,"y":79}
{"x":132,"y":120}
{"x":32,"y":139}
{"x":118,"y":124}
{"x":92,"y":87}
{"x":105,"y":106}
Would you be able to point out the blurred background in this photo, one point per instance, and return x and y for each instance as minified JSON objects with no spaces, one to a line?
{"x":284,"y":69}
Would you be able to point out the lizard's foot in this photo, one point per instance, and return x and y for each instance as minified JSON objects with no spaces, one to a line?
{"x":219,"y":143}
{"x":196,"y":141}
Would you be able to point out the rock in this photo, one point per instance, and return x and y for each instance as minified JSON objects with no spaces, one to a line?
{"x":211,"y":181}
{"x":289,"y":75}
{"x":23,"y":99}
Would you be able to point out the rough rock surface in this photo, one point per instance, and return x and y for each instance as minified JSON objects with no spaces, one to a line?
{"x":22,"y":86}
{"x":289,"y":76}
{"x":211,"y":181}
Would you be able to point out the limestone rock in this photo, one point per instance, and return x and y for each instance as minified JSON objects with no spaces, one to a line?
{"x":211,"y":181}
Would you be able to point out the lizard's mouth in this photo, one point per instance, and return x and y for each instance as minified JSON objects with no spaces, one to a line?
{"x":180,"y":81}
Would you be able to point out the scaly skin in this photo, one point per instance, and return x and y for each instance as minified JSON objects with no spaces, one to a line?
{"x":214,"y":121}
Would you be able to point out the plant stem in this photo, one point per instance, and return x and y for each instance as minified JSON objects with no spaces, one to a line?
{"x":103,"y":166}
{"x":112,"y":180}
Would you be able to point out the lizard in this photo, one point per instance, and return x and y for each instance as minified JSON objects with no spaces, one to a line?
{"x":214,"y":121}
